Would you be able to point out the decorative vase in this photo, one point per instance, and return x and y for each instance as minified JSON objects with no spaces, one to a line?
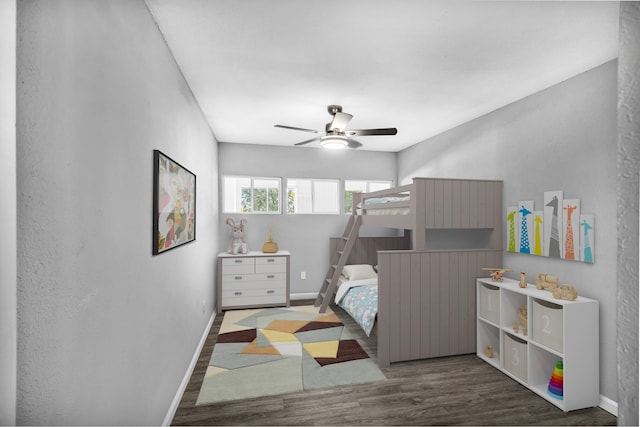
{"x":270,"y":247}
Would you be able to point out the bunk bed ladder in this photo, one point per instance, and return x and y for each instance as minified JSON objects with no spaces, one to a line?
{"x":337,"y":262}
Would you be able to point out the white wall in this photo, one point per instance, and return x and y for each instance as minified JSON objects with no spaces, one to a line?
{"x":105,"y":330}
{"x":8,"y":331}
{"x":305,"y":236}
{"x":563,"y":138}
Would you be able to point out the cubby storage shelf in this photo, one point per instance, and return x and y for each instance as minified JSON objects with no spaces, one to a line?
{"x":556,"y":330}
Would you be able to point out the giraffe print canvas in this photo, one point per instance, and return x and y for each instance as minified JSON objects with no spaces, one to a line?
{"x":538,"y":232}
{"x":525,"y":222}
{"x":553,"y":220}
{"x":571,"y":230}
{"x":513,"y":231}
{"x":587,"y":241}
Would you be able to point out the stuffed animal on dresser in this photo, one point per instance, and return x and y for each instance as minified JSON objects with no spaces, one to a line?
{"x":237,"y":245}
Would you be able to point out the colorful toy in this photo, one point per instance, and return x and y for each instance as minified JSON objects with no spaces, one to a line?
{"x":497,"y":274}
{"x":556,"y":383}
{"x":565,"y":291}
{"x":237,"y":245}
{"x":546,"y":281}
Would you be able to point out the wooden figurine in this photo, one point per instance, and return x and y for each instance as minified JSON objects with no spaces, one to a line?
{"x":565,"y":291}
{"x":515,"y":327}
{"x":523,"y":281}
{"x":546,"y":281}
{"x":522,"y":315}
{"x":488,"y":351}
{"x":497,"y":273}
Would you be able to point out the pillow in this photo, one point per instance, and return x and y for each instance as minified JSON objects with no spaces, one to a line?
{"x":358,"y":272}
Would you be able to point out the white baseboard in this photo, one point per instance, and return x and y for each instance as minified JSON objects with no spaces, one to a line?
{"x":187,"y":376}
{"x":308,"y":295}
{"x":609,"y":405}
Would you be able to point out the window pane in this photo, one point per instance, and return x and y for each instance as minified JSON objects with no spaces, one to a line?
{"x":325,"y":197}
{"x":359,"y":186}
{"x":299,"y":198}
{"x":379,"y":185}
{"x":246,"y":194}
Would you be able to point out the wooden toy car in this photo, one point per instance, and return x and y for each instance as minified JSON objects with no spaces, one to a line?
{"x":565,"y":291}
{"x":546,"y":281}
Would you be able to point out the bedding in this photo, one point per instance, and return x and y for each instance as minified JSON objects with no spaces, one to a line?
{"x":359,"y":272}
{"x":375,"y":206}
{"x":359,"y":298}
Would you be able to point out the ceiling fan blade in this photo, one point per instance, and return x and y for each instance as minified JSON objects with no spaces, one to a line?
{"x":295,"y":128}
{"x":340,"y":120}
{"x":354,"y":144}
{"x":307,"y":141}
{"x":368,"y":132}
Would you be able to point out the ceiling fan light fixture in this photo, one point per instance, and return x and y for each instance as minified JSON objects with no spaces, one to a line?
{"x":334,"y":142}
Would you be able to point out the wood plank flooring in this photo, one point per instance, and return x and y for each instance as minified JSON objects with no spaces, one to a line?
{"x":458,"y":390}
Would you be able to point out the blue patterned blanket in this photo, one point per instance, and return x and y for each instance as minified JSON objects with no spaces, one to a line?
{"x":359,"y":298}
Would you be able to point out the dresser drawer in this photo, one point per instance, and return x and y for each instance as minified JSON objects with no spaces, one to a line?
{"x":271,"y":264}
{"x":248,"y":281}
{"x":238,"y":265}
{"x":250,"y":297}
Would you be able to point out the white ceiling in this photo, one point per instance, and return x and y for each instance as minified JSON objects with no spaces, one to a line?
{"x":421,"y":66}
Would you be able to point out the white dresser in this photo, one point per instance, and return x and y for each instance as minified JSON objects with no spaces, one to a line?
{"x":253,"y":280}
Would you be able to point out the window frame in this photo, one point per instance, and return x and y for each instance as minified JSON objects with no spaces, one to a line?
{"x":313,"y":201}
{"x":252,"y":187}
{"x":368,"y":190}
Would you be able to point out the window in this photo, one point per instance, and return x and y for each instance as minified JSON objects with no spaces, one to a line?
{"x":243,"y":194}
{"x":317,"y":196}
{"x":351,"y":187}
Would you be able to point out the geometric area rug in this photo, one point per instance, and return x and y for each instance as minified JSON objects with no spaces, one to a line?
{"x":270,"y":351}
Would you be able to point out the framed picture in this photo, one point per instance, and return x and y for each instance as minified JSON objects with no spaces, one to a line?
{"x":174,"y":204}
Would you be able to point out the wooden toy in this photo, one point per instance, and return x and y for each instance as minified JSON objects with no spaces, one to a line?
{"x":488,"y":351}
{"x":515,"y":327}
{"x":546,"y":281}
{"x":522,"y":315}
{"x":497,"y":274}
{"x":523,"y":281}
{"x":565,"y":291}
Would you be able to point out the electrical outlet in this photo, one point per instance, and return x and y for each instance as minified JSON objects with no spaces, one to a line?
{"x":303,"y":275}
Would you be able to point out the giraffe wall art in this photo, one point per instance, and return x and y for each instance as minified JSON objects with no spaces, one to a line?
{"x":558,"y":231}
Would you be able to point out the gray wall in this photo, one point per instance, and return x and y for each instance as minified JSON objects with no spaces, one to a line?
{"x":106,"y":331}
{"x":563,"y":138}
{"x":8,"y":329}
{"x":628,"y":166}
{"x":305,"y":236}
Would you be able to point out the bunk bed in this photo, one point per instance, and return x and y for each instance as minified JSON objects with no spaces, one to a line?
{"x":426,"y":296}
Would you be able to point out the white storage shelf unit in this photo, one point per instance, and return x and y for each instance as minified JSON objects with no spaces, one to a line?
{"x":557,"y":330}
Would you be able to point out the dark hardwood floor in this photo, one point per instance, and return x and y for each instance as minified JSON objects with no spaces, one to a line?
{"x":457,"y":390}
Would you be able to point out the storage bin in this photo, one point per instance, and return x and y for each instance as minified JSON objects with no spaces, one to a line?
{"x":490,"y":303}
{"x":515,"y":357}
{"x":547,"y":324}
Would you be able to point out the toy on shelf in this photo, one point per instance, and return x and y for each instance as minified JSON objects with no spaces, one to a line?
{"x":565,"y":291}
{"x":497,"y":274}
{"x":515,"y":327}
{"x":556,"y":383}
{"x":522,"y":315}
{"x":488,"y":351}
{"x":546,"y":281}
{"x":523,"y":281}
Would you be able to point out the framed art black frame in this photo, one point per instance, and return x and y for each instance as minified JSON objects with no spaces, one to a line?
{"x":174,"y":204}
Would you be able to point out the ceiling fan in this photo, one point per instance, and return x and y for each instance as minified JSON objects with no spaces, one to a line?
{"x":335,"y":136}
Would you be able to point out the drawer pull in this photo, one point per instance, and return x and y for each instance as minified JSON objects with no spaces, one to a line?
{"x":238,"y":277}
{"x":271,"y":260}
{"x":237,"y":293}
{"x":271,"y":291}
{"x":238,"y":261}
{"x":270,"y":276}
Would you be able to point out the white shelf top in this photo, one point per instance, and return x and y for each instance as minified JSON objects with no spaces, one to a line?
{"x":532,"y":291}
{"x":252,"y":254}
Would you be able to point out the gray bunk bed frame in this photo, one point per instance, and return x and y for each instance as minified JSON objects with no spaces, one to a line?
{"x":426,"y":297}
